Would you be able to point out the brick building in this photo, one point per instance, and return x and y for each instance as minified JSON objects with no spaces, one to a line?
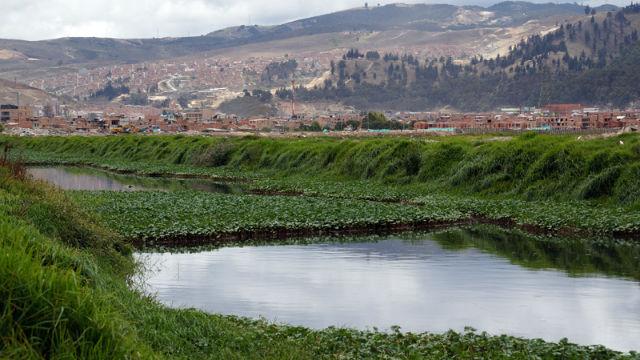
{"x":14,"y":114}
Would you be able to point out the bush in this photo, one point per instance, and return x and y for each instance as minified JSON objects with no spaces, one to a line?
{"x":215,"y":156}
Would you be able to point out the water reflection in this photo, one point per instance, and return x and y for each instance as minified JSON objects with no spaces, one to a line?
{"x":421,"y":285}
{"x":77,"y":178}
{"x":575,"y":256}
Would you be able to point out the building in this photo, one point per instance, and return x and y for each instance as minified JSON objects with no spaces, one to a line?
{"x":14,"y":114}
{"x":562,"y":108}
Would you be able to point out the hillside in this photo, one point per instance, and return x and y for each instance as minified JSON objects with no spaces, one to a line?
{"x":28,"y":95}
{"x":420,"y":17}
{"x":592,"y":61}
{"x":424,"y":17}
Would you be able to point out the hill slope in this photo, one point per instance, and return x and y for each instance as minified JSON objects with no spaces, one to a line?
{"x":422,"y":17}
{"x":28,"y":95}
{"x":592,"y":61}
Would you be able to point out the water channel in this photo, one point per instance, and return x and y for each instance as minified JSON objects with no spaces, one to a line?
{"x":427,"y":283}
{"x":82,"y":178}
{"x":488,"y":278}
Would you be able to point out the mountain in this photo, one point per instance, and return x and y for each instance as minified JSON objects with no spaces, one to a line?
{"x":593,"y":61}
{"x":419,"y":17}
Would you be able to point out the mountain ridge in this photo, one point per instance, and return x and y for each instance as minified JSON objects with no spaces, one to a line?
{"x":423,"y":17}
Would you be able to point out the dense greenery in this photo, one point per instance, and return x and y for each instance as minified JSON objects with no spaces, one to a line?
{"x":542,"y":183}
{"x":198,"y":215}
{"x":65,"y":294}
{"x":256,"y":104}
{"x":528,"y":167}
{"x":275,"y":71}
{"x":110,"y":92}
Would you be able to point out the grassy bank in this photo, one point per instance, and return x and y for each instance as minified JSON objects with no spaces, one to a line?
{"x":65,"y":294}
{"x":531,"y":167}
{"x":543,"y":183}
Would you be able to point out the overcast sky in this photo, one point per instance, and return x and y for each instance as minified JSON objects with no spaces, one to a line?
{"x":46,"y":19}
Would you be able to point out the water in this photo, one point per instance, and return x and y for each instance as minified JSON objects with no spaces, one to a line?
{"x":420,"y":285}
{"x":79,"y":178}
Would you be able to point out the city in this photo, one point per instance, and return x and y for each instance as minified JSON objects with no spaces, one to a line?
{"x":26,"y":120}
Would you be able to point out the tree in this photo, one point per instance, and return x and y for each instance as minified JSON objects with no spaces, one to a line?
{"x":138,"y":98}
{"x":263,"y":95}
{"x":372,"y":55}
{"x":376,"y":120}
{"x":110,"y":92}
{"x":184,"y":100}
{"x":352,"y":54}
{"x":48,"y":111}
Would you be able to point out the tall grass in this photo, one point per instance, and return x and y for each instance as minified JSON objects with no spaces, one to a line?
{"x":54,"y":276}
{"x":530,"y":166}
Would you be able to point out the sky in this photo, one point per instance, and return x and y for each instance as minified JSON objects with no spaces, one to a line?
{"x":48,"y":19}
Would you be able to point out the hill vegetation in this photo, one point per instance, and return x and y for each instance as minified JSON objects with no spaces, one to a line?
{"x":250,"y":104}
{"x":592,"y":61}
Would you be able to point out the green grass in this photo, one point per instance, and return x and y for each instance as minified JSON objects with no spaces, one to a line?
{"x":531,"y":167}
{"x":551,"y":183}
{"x":65,"y":293}
{"x":53,"y":283}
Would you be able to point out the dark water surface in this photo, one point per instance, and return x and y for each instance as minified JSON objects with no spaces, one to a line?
{"x":79,"y":178}
{"x":433,"y":283}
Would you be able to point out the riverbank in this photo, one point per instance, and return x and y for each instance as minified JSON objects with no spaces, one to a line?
{"x":546,"y":184}
{"x":530,"y":167}
{"x":67,"y":293}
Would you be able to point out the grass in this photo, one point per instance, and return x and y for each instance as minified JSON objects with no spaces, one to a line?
{"x":530,"y":167}
{"x":542,"y":182}
{"x":66,"y":293}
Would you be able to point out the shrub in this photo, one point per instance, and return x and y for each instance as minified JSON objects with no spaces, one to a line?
{"x":216,"y":155}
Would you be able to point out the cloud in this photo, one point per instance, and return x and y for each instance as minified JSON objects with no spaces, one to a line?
{"x":46,"y":19}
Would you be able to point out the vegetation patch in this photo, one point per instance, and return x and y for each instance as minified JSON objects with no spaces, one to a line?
{"x":67,"y":294}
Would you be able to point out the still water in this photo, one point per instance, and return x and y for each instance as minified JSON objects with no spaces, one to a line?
{"x":420,"y":284}
{"x":78,"y":178}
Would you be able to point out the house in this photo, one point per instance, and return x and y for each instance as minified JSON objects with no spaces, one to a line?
{"x":14,"y":114}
